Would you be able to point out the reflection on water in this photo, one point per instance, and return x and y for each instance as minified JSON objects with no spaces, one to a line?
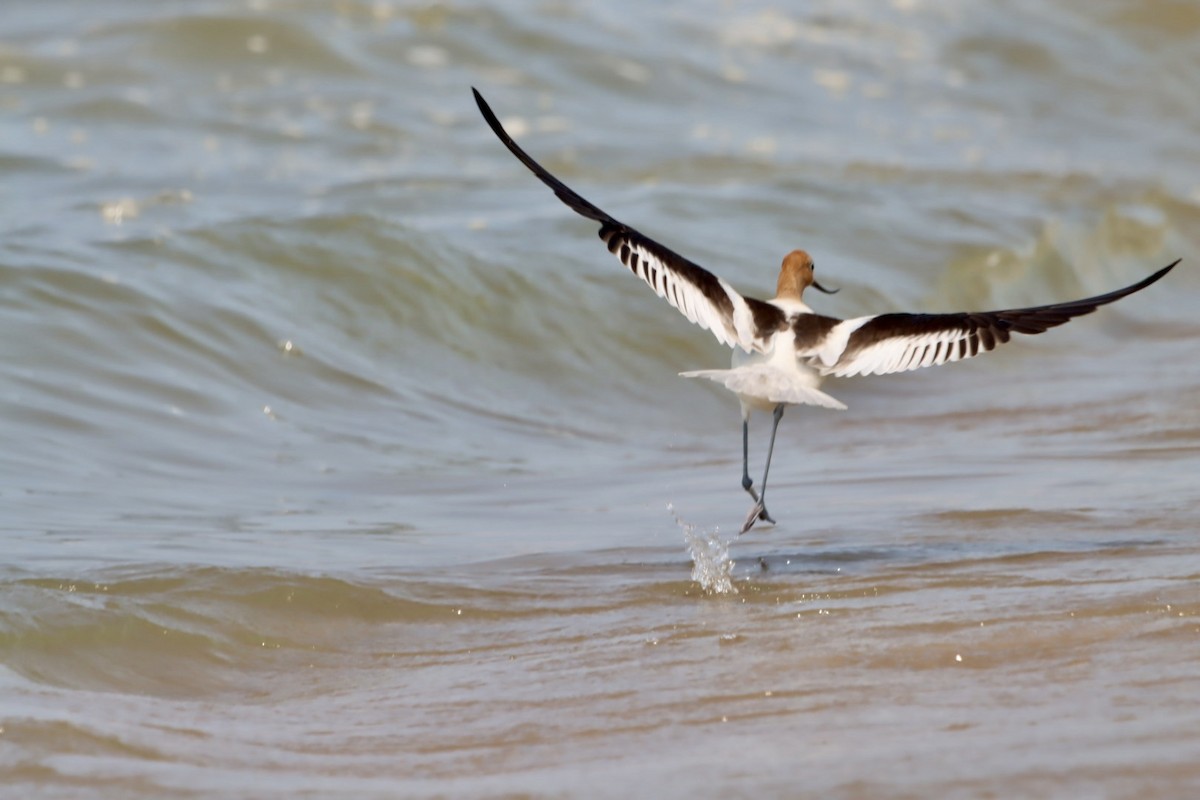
{"x":334,"y":450}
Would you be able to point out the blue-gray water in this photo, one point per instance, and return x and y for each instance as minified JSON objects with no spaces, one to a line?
{"x":336,"y":453}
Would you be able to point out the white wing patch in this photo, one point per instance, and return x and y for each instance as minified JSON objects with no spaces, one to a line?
{"x":900,"y":353}
{"x":829,"y":348}
{"x":743,"y":321}
{"x":733,"y":330}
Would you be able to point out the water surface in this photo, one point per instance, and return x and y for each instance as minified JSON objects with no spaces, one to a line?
{"x":337,"y":456}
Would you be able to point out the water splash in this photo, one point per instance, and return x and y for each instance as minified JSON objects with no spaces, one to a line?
{"x":711,"y":565}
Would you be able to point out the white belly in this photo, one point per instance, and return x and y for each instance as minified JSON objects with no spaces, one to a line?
{"x":765,"y":380}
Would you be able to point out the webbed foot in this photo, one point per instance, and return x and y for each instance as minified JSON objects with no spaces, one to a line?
{"x":758,"y":512}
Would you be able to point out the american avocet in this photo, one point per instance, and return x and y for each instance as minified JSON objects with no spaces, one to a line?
{"x":782,"y":350}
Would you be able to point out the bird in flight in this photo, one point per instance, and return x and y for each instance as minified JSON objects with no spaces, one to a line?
{"x":782,"y":349}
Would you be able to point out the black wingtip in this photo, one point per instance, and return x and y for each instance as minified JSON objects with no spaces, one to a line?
{"x":488,"y":115}
{"x":493,"y":122}
{"x":1156,"y":276}
{"x":564,"y":193}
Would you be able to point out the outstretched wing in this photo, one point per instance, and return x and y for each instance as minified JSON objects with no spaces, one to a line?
{"x":899,"y":342}
{"x":702,"y":297}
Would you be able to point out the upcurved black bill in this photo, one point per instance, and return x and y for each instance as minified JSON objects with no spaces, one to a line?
{"x":821,"y":288}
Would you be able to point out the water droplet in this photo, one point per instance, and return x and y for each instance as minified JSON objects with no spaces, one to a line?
{"x":711,"y":565}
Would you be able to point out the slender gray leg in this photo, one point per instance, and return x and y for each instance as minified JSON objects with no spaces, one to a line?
{"x":747,"y":484}
{"x":771,"y":449}
{"x":759,"y":511}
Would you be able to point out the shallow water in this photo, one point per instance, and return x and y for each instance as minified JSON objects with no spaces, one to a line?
{"x":336,"y":456}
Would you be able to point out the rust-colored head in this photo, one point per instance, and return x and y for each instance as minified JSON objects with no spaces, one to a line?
{"x":796,"y":275}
